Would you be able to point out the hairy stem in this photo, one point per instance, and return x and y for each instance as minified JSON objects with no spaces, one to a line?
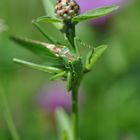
{"x":69,"y":29}
{"x":75,"y":112}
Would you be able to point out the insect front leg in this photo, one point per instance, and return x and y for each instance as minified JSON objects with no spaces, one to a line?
{"x":58,"y":75}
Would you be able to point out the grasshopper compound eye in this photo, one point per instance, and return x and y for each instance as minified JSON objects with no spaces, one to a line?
{"x":67,"y":9}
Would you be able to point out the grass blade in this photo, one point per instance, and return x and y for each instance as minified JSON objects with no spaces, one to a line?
{"x":7,"y":115}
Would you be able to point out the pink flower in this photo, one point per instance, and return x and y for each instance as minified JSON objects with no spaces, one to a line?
{"x":54,"y":96}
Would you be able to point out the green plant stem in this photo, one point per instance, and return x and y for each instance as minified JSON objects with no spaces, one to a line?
{"x":8,"y":116}
{"x":75,"y":113}
{"x":69,"y":29}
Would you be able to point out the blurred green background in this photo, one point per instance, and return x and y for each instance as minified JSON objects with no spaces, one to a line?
{"x":112,"y":90}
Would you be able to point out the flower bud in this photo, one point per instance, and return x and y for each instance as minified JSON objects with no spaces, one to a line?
{"x":67,"y":9}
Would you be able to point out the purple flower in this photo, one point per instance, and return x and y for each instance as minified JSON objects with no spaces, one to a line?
{"x":87,"y":5}
{"x":54,"y":96}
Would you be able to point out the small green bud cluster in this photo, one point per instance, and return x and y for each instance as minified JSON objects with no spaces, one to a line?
{"x":67,"y":9}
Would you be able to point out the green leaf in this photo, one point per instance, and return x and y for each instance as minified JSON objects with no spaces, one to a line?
{"x":37,"y":66}
{"x":64,"y":125}
{"x":49,"y":9}
{"x":48,"y":19}
{"x":94,"y":14}
{"x":93,"y":56}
